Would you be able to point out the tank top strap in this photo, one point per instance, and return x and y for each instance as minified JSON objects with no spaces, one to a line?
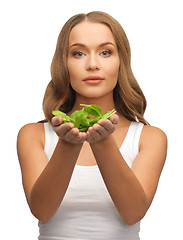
{"x":130,"y":148}
{"x":136,"y":131}
{"x":51,"y":140}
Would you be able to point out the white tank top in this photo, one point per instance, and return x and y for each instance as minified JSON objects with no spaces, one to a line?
{"x":87,"y":211}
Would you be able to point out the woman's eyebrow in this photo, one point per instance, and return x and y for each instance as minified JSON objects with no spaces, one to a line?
{"x":84,"y":46}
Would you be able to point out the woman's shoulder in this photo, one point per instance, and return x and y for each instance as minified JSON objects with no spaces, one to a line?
{"x":155,"y":131}
{"x":32,"y":128}
{"x":153,"y":135}
{"x":32,"y":132}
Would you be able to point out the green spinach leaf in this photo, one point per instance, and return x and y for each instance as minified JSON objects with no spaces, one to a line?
{"x":81,"y":118}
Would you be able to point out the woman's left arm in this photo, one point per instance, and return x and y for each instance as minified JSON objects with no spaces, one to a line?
{"x":131,"y":189}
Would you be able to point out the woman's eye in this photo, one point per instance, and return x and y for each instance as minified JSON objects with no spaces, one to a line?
{"x":78,"y":54}
{"x":106,"y":53}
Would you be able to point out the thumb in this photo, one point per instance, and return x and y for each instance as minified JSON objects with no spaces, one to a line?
{"x":114,"y":119}
{"x":56,"y":121}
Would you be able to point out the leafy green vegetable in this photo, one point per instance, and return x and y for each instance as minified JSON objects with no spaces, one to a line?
{"x":95,"y":110}
{"x":93,"y":120}
{"x":63,"y":115}
{"x":107,"y":114}
{"x":81,"y":118}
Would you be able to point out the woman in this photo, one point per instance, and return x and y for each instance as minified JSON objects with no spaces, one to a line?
{"x":97,"y":184}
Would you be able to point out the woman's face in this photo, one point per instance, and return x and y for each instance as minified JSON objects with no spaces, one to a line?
{"x":93,"y":60}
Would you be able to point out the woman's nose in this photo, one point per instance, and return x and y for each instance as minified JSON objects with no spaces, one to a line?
{"x":92,"y":63}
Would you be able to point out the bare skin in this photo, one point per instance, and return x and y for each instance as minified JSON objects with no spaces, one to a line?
{"x":45,"y":182}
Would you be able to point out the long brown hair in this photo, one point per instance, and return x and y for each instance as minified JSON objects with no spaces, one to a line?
{"x":128,"y":97}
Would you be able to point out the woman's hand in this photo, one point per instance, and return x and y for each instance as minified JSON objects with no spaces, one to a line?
{"x":102,"y":129}
{"x":67,"y":131}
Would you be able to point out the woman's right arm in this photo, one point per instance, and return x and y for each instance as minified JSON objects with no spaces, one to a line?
{"x":45,"y":182}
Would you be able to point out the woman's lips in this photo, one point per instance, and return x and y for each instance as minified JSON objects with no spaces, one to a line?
{"x":93,"y":79}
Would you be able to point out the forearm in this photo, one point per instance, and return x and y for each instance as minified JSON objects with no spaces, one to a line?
{"x":123,"y":186}
{"x":49,"y":189}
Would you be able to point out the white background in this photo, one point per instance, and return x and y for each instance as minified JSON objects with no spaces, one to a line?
{"x":29,"y":31}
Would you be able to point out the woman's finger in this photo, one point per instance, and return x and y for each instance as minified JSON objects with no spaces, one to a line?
{"x":114,"y":119}
{"x":74,"y":136}
{"x":61,"y":130}
{"x":93,"y":135}
{"x":56,"y":121}
{"x":107,"y":124}
{"x":102,"y":131}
